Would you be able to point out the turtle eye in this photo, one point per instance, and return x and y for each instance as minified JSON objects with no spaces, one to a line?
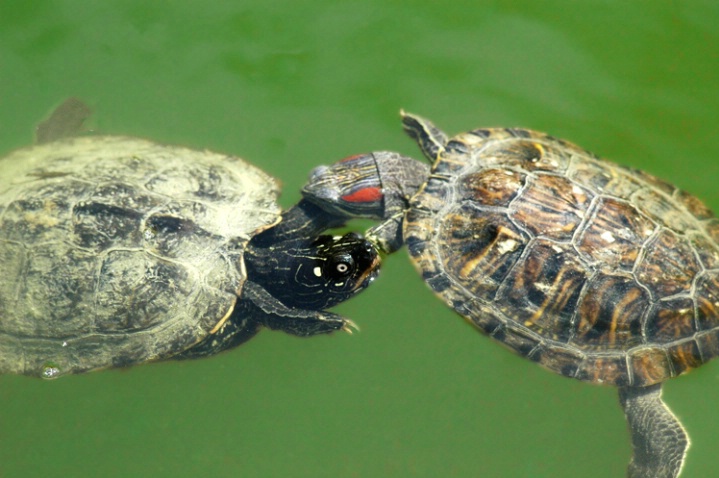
{"x":340,"y":266}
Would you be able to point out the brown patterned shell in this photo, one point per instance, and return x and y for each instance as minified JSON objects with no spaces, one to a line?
{"x":593,"y":270}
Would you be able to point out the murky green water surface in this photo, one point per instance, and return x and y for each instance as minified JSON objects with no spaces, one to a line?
{"x":289,"y":85}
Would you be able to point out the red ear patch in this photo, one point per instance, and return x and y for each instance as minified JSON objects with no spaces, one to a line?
{"x":364,"y":195}
{"x":350,"y":158}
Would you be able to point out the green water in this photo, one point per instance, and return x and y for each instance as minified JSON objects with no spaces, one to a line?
{"x":289,"y":85}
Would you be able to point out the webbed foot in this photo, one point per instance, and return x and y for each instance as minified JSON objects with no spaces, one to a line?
{"x":659,"y":440}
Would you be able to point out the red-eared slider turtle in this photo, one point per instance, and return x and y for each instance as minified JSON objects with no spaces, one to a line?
{"x":595,"y":271}
{"x":116,"y":251}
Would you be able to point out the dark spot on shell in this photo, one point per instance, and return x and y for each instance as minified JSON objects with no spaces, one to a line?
{"x":429,"y":274}
{"x":171,"y":235}
{"x":439,"y":283}
{"x":209,"y":184}
{"x":482,"y":133}
{"x":101,"y":209}
{"x":98,"y":225}
{"x":518,"y":132}
{"x":568,"y":370}
{"x":415,"y":246}
{"x":167,"y":224}
{"x":499,"y":333}
{"x":457,"y":147}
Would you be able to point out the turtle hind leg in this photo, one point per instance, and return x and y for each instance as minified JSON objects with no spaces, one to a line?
{"x":65,"y":121}
{"x":430,"y":139}
{"x":238,"y":329}
{"x":659,"y":440}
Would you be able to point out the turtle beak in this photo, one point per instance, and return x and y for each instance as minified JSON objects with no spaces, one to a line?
{"x":370,"y":275}
{"x":320,"y":186}
{"x":371,"y":272}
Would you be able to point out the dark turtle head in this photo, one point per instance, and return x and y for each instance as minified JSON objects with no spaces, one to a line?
{"x":317,"y":274}
{"x":293,"y":275}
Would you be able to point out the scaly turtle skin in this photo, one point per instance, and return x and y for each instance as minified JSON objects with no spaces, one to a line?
{"x":117,"y":251}
{"x":593,"y":270}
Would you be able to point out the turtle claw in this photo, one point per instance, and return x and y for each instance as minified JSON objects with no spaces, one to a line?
{"x":350,"y":326}
{"x":387,"y":236}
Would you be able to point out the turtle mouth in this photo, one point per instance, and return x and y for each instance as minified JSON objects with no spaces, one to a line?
{"x":370,"y":273}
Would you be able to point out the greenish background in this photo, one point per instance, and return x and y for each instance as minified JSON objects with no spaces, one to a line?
{"x":289,"y":85}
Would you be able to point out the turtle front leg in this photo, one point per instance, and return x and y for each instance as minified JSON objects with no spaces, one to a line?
{"x":659,"y":440}
{"x":387,"y":236}
{"x":274,"y":315}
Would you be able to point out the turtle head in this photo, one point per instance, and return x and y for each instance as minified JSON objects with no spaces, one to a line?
{"x":373,"y":185}
{"x":376,"y":185}
{"x":318,"y":274}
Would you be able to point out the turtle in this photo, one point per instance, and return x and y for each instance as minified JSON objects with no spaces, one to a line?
{"x":117,"y":251}
{"x":595,"y":271}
